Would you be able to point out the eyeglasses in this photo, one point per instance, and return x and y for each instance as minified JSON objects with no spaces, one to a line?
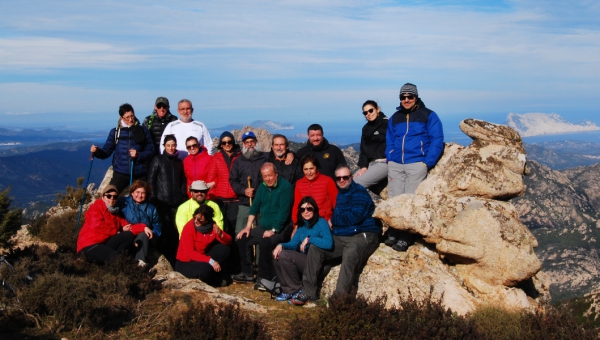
{"x":197,"y":191}
{"x":368,"y":111}
{"x":161,"y":106}
{"x":111,"y":197}
{"x":303,"y":209}
{"x":409,"y":97}
{"x":193,"y":146}
{"x":345,"y":178}
{"x":227,"y":142}
{"x":132,"y":117}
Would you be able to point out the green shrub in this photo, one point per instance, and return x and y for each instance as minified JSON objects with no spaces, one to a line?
{"x":68,"y":293}
{"x":498,"y":323}
{"x":356,"y":318}
{"x":35,"y":227}
{"x":73,"y":195}
{"x":215,"y":321}
{"x":10,"y":219}
{"x":60,"y":229}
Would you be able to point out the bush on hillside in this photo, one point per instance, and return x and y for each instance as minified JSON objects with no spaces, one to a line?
{"x":73,"y":195}
{"x":64,"y":292}
{"x":60,"y":229}
{"x":10,"y":219}
{"x":215,"y":321}
{"x":356,"y":318}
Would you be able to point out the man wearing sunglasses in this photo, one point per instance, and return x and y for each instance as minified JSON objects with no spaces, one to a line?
{"x":185,"y":212}
{"x":158,"y":121}
{"x":414,"y":144}
{"x":355,"y":238}
{"x":186,"y":127}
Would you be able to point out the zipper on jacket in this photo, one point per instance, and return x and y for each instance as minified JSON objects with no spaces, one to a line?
{"x":404,"y":137}
{"x":422,"y":149}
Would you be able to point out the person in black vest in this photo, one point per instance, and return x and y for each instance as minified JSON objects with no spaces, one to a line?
{"x":158,"y":121}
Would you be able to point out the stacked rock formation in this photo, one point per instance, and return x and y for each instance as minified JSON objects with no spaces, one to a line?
{"x":475,"y":251}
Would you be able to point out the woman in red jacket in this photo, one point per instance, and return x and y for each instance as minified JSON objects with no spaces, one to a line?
{"x":203,"y":247}
{"x":196,"y":163}
{"x":320,"y":187}
{"x":105,"y":233}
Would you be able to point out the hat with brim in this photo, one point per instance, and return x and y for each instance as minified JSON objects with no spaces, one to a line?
{"x":110,"y":188}
{"x":248,"y":134}
{"x":162,"y":100}
{"x":198,"y":186}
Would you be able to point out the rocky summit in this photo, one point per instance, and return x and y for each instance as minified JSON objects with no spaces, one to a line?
{"x":475,"y":250}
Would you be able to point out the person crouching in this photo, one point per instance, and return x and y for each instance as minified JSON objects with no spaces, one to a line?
{"x":203,"y":247}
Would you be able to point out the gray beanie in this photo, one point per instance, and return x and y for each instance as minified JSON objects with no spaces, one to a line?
{"x":409,"y":89}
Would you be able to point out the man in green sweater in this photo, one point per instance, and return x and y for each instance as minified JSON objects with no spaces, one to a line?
{"x":273,"y":202}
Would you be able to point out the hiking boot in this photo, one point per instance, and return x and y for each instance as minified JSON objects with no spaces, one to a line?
{"x":401,"y":245}
{"x":242,"y":278}
{"x":259,"y":285}
{"x":142,"y":264}
{"x":301,"y":300}
{"x":295,"y":296}
{"x":283,"y":297}
{"x":391,"y":240}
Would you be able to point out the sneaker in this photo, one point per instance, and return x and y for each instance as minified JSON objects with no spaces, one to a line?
{"x":142,"y":264}
{"x":242,"y":278}
{"x":401,"y":245}
{"x":283,"y":297}
{"x":391,"y":240}
{"x":300,"y":300}
{"x":295,"y":296}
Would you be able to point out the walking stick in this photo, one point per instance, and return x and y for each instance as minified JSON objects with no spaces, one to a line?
{"x":84,"y":191}
{"x":250,"y":187}
{"x":254,"y":264}
{"x":131,"y":173}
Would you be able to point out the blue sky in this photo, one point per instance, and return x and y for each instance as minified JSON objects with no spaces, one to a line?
{"x":71,"y":64}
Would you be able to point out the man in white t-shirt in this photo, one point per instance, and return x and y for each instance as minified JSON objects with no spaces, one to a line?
{"x":186,"y":127}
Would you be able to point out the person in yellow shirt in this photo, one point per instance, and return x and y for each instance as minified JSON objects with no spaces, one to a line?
{"x":185,"y":212}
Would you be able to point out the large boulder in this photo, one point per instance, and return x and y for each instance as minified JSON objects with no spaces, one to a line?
{"x":475,"y":250}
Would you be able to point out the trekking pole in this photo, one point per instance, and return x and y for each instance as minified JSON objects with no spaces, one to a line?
{"x":84,"y":191}
{"x":250,"y":187}
{"x":131,"y":173}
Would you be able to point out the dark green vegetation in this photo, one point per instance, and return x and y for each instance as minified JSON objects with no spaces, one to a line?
{"x":10,"y":218}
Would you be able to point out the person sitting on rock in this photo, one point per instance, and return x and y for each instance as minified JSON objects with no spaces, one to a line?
{"x":105,"y":233}
{"x":414,"y":144}
{"x":203,"y":248}
{"x":355,"y":238}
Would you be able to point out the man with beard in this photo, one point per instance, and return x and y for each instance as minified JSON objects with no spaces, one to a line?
{"x":158,"y":120}
{"x":329,"y":155}
{"x":245,"y":177}
{"x":185,"y":212}
{"x":186,"y":127}
{"x":280,"y":155}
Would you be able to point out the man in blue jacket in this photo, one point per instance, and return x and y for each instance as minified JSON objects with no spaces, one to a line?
{"x":355,"y":238}
{"x":414,"y":144}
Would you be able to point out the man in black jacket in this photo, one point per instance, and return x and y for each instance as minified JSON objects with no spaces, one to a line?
{"x":158,"y":120}
{"x":329,"y":155}
{"x":278,"y":156}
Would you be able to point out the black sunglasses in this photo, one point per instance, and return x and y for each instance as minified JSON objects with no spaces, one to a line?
{"x":193,"y":146}
{"x":162,"y":106}
{"x":202,"y":191}
{"x":409,"y":97}
{"x":110,"y":197}
{"x":345,"y":178}
{"x":309,"y":209}
{"x":227,"y":142}
{"x":368,"y":111}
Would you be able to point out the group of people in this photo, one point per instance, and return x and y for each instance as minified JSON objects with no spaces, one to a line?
{"x":239,"y":211}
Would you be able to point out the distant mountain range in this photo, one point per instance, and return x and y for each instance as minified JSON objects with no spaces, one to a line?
{"x":536,"y":124}
{"x":44,"y":136}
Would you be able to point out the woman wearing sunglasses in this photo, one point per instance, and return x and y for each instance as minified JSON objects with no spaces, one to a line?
{"x":371,"y":161}
{"x":196,"y":163}
{"x":105,"y":233}
{"x":290,"y":257}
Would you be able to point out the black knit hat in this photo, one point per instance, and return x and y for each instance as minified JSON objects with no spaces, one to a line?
{"x":223,"y":135}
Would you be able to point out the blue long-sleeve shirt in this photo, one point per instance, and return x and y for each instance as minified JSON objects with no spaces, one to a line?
{"x":353,"y":212}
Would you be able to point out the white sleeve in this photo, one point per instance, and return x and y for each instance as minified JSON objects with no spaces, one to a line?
{"x":207,"y":141}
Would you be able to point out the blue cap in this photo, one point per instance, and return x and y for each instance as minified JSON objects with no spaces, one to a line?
{"x":248,"y":134}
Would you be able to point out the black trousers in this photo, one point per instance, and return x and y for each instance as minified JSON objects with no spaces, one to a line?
{"x":265,"y":250}
{"x":121,"y":181}
{"x":168,"y":242}
{"x":229,"y":208}
{"x":203,"y":270}
{"x":104,"y":252}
